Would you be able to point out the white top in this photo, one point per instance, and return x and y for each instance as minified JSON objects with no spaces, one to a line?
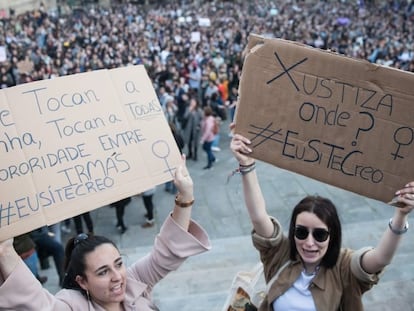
{"x":298,"y":297}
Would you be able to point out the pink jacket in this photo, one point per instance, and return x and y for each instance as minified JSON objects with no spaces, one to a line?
{"x":207,"y":126}
{"x":21,"y":291}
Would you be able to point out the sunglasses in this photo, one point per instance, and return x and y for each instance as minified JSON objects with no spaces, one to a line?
{"x":319,"y":234}
{"x":79,"y":238}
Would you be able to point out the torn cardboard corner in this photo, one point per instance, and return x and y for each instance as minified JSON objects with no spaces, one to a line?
{"x":342,"y":121}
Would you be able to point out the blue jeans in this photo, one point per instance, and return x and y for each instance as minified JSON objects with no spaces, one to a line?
{"x":210,"y":156}
{"x":170,"y":187}
{"x":216,"y":141}
{"x":48,"y":246}
{"x":32,"y":263}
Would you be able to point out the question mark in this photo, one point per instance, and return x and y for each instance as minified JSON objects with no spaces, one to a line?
{"x":364,"y":129}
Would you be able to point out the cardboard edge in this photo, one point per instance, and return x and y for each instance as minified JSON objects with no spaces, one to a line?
{"x":254,"y":43}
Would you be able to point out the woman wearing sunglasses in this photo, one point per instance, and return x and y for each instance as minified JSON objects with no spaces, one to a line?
{"x":96,"y":277}
{"x":315,"y":272}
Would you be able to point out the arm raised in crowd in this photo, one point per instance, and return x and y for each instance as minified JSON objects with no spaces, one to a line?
{"x":253,"y":196}
{"x":376,"y":259}
{"x":185,"y":196}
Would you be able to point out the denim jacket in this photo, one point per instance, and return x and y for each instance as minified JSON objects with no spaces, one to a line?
{"x":339,"y":288}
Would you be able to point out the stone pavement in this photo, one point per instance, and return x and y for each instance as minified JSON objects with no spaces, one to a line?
{"x":202,"y":282}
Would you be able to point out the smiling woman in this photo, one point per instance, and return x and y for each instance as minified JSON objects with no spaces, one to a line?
{"x":96,"y":277}
{"x":319,"y":274}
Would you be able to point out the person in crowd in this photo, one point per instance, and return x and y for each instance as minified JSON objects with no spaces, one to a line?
{"x":215,"y":146}
{"x":207,"y":135}
{"x":96,"y":277}
{"x":163,"y":96}
{"x":194,"y":76}
{"x":171,"y":111}
{"x":233,"y":98}
{"x":47,"y":246}
{"x":65,"y":226}
{"x":211,"y":94}
{"x":192,"y":132}
{"x":318,"y":274}
{"x":26,"y":248}
{"x":86,"y":217}
{"x":204,"y":84}
{"x":182,"y":100}
{"x":120,"y":212}
{"x":179,"y":140}
{"x":147,"y":198}
{"x":56,"y":231}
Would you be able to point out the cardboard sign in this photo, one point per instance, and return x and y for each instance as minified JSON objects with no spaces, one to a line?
{"x":341,"y":121}
{"x":204,"y":22}
{"x":25,"y":66}
{"x":195,"y":36}
{"x":3,"y":53}
{"x":76,"y":143}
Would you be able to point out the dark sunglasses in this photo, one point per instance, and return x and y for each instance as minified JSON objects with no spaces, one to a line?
{"x":319,"y":234}
{"x":79,"y":238}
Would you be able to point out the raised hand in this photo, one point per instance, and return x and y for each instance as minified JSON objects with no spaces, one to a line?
{"x":404,"y":199}
{"x":239,"y":145}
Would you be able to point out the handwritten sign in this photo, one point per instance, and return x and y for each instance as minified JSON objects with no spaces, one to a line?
{"x":342,"y":121}
{"x":76,"y":143}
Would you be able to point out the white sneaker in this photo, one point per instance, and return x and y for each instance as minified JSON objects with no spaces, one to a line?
{"x":214,"y":148}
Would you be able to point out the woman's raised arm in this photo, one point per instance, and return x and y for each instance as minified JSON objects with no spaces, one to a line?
{"x":253,"y":196}
{"x":376,"y":259}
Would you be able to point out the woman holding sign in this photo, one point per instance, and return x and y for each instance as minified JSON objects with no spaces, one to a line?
{"x":315,"y":273}
{"x":96,"y":277}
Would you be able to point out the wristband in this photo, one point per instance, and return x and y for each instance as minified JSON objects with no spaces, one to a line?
{"x":242,"y":170}
{"x":248,"y":165}
{"x":183,"y":204}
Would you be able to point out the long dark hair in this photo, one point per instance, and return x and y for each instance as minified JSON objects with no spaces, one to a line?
{"x":325,"y":210}
{"x":75,"y":252}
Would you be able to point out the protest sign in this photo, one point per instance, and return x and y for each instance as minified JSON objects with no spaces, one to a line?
{"x":195,"y":36}
{"x":204,"y":22}
{"x":72,"y":144}
{"x":3,"y":53}
{"x":342,"y":121}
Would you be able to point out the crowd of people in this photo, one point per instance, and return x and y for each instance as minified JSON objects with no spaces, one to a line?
{"x":193,"y":53}
{"x":193,"y":50}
